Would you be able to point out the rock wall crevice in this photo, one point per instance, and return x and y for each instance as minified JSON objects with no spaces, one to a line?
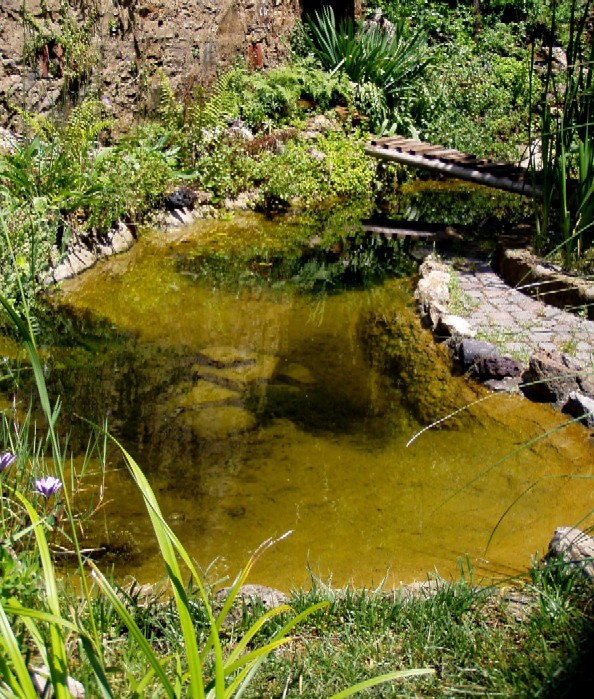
{"x":55,"y":50}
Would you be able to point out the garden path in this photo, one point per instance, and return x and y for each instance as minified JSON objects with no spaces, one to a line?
{"x":518,"y":324}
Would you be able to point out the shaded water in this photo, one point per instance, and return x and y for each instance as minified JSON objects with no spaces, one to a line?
{"x":255,"y":410}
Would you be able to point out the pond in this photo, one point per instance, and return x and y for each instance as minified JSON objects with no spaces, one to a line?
{"x":268,"y":380}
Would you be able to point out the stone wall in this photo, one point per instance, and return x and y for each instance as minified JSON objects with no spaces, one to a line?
{"x":114,"y":48}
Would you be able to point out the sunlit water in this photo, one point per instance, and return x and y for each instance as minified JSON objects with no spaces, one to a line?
{"x":255,"y":411}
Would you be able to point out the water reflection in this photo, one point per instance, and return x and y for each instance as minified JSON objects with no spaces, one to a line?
{"x":255,"y":410}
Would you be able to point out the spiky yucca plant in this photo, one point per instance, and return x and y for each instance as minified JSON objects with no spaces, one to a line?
{"x":389,"y":58}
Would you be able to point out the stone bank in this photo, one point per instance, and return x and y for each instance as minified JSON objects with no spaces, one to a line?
{"x":509,"y":339}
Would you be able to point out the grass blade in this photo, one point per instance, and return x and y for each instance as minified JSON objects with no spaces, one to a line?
{"x":382,"y":679}
{"x":168,"y":544}
{"x":58,"y":664}
{"x":132,"y":627}
{"x":18,"y":679}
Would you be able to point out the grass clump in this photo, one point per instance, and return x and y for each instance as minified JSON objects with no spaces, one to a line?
{"x":532,"y":638}
{"x":479,"y":642}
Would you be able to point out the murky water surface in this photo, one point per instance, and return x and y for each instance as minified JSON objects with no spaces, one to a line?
{"x":255,"y":410}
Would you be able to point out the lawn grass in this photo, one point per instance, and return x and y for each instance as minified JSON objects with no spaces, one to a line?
{"x":532,"y":638}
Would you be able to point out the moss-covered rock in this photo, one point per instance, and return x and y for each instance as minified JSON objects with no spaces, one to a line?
{"x":415,"y":366}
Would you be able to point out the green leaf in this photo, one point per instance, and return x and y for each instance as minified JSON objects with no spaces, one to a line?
{"x":136,"y":633}
{"x":20,"y":682}
{"x":382,"y":679}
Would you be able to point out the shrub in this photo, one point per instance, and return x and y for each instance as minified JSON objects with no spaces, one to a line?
{"x":392,"y":59}
{"x":477,"y":101}
{"x":334,"y":165}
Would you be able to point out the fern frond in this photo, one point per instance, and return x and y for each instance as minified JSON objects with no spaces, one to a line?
{"x":40,"y":126}
{"x":84,"y":125}
{"x":169,"y":109}
{"x":223,"y":104}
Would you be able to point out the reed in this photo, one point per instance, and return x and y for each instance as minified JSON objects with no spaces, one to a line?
{"x":565,"y":214}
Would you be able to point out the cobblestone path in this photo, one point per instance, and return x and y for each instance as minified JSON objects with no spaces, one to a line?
{"x":518,"y":324}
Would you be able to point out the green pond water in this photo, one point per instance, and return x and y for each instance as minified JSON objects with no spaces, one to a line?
{"x":256,"y":407}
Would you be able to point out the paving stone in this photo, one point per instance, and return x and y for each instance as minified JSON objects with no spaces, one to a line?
{"x":521,"y":324}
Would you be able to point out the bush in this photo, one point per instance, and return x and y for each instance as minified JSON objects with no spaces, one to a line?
{"x":311,"y":172}
{"x":476,"y":100}
{"x":273,"y":98}
{"x":391,"y":59}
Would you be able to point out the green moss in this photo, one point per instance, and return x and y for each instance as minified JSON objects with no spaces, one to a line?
{"x":417,"y":367}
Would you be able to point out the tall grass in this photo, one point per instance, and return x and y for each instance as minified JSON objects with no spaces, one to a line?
{"x":565,"y":213}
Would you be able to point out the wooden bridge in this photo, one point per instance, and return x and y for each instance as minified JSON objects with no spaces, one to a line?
{"x":453,"y":163}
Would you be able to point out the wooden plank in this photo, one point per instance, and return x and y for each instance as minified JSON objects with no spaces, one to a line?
{"x":463,"y":169}
{"x":463,"y":158}
{"x":443,"y":154}
{"x":392,"y":141}
{"x":425,"y":149}
{"x":392,"y":231}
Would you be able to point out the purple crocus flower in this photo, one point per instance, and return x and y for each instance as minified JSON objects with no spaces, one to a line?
{"x":48,"y":486}
{"x":7,"y":458}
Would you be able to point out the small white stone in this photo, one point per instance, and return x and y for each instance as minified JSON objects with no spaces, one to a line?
{"x":455,"y":325}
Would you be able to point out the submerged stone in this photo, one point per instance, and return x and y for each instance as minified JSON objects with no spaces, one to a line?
{"x":297,"y":374}
{"x":241,"y":375}
{"x":228,"y":356}
{"x":218,"y":422}
{"x":204,"y":393}
{"x":418,"y":370}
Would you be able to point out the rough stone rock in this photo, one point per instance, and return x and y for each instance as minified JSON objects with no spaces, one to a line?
{"x":244,"y":201}
{"x":575,"y":547}
{"x":63,"y":271}
{"x":248,"y":596}
{"x":379,"y":21}
{"x":191,"y":41}
{"x":504,"y":385}
{"x":450,"y":325}
{"x":218,"y":422}
{"x":433,"y":290}
{"x":40,"y":676}
{"x":469,"y":351}
{"x":550,"y":378}
{"x":182,"y":198}
{"x":8,"y":141}
{"x":269,"y":597}
{"x":179,"y":217}
{"x":81,"y":258}
{"x":122,"y":238}
{"x":580,"y":406}
{"x":316,"y":125}
{"x":497,"y":367}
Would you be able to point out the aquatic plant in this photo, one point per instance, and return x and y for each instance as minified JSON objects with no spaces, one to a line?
{"x":565,"y":213}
